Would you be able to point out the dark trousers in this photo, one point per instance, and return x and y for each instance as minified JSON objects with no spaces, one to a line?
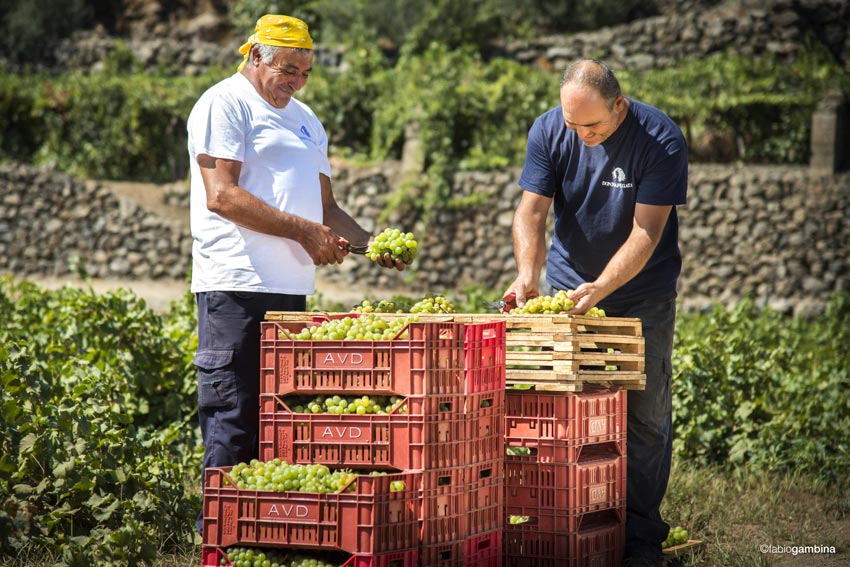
{"x":228,"y":364}
{"x":650,"y":429}
{"x":649,"y":443}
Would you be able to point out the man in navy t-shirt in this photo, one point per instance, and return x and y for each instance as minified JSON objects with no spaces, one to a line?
{"x":615,"y":169}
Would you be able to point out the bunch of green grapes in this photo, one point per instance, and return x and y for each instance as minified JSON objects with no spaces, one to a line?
{"x":518,"y":519}
{"x":395,"y":485}
{"x":339,"y":405}
{"x":368,"y":327}
{"x":400,"y":245}
{"x":433,"y":304}
{"x":549,"y":305}
{"x":250,"y":557}
{"x":518,"y":451}
{"x":677,"y":536}
{"x":280,"y":476}
{"x":381,"y":306}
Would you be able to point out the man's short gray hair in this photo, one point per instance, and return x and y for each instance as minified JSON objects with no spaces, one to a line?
{"x":596,"y":75}
{"x":267,"y":52}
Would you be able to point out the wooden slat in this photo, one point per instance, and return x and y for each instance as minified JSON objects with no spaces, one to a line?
{"x":677,"y":550}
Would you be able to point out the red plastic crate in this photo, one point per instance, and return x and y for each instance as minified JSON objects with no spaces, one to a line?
{"x":485,"y":427}
{"x":436,"y":358}
{"x":550,"y":520}
{"x":593,"y":416}
{"x":596,"y":482}
{"x":212,"y":557}
{"x":484,"y":550}
{"x":462,"y":502}
{"x":545,"y":451}
{"x":596,"y":545}
{"x":431,"y":434}
{"x":370,"y":520}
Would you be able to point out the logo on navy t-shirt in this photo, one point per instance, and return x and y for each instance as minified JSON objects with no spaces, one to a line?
{"x":619,"y":180}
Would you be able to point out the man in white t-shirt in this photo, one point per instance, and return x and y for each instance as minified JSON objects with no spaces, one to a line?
{"x":263,"y":216}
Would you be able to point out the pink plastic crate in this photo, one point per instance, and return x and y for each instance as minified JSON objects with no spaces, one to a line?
{"x":213,"y":556}
{"x":596,"y":482}
{"x":597,"y":544}
{"x":483,"y":550}
{"x":431,"y":434}
{"x":593,"y":416}
{"x":370,"y":520}
{"x":436,"y":358}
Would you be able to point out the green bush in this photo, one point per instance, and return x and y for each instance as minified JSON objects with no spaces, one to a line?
{"x":754,"y":387}
{"x":471,"y":113}
{"x":98,"y":436}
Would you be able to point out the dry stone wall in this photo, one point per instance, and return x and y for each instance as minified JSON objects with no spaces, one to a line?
{"x":48,"y":220}
{"x":778,"y":233}
{"x":750,"y":27}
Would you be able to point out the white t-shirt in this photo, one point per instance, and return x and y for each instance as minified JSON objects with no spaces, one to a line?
{"x":282,"y":151}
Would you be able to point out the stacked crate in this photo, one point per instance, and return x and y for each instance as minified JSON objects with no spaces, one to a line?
{"x":566,"y":477}
{"x":447,"y":448}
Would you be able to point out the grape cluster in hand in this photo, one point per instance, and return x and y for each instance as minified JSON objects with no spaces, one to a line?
{"x":400,"y":245}
{"x":549,"y":305}
{"x":339,"y":405}
{"x":368,"y":327}
{"x":433,"y":304}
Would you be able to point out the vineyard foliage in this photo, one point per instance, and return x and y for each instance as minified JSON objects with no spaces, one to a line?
{"x":755,"y":388}
{"x":100,"y":451}
{"x":98,"y":436}
{"x":469,"y":112}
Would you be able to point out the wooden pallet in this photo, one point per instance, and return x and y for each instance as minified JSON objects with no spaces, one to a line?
{"x":554,"y":352}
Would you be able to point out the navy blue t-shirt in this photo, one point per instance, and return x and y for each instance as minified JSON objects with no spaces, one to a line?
{"x":595,"y":190}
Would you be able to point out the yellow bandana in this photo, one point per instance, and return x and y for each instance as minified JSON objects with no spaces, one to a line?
{"x":282,"y":31}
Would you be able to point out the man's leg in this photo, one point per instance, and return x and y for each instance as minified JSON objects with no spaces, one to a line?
{"x":228,"y":363}
{"x":650,"y":435}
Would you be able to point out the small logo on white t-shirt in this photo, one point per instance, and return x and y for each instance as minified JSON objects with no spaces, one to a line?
{"x":305,"y":133}
{"x":619,"y":182}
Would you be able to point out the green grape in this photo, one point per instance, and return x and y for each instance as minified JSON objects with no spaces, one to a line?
{"x":549,"y":305}
{"x":518,"y":451}
{"x":677,"y":536}
{"x":368,"y":326}
{"x":280,"y":476}
{"x":345,"y":405}
{"x":433,"y":304}
{"x":400,"y":245}
{"x":518,"y":519}
{"x":381,"y":306}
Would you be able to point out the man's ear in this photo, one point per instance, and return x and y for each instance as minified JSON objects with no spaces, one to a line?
{"x":255,"y":55}
{"x":619,"y":104}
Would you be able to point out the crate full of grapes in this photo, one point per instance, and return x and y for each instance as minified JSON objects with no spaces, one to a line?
{"x":318,"y":355}
{"x":405,"y":433}
{"x":238,"y":556}
{"x":276,"y":504}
